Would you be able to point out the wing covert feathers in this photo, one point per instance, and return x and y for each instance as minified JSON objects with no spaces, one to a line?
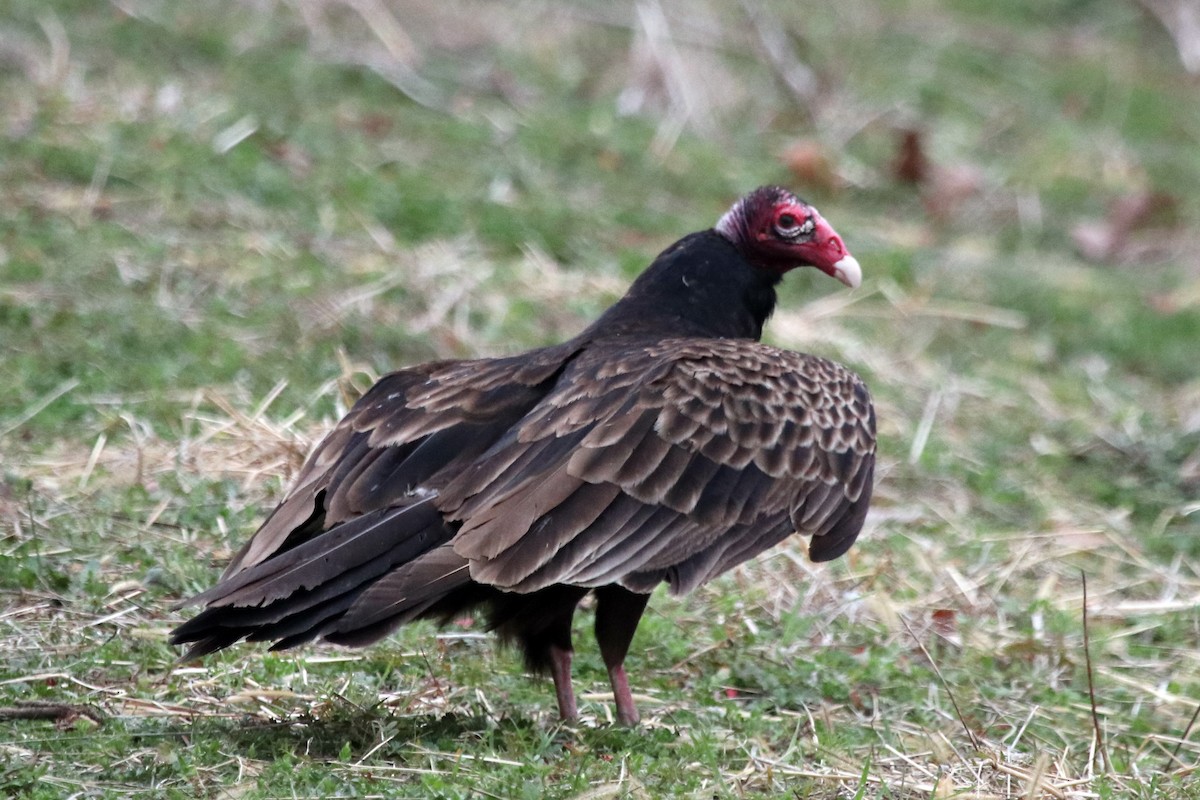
{"x":722,"y":434}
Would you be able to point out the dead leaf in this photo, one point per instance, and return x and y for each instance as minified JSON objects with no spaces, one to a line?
{"x":945,"y":623}
{"x":809,"y":161}
{"x":943,"y":189}
{"x":911,"y":165}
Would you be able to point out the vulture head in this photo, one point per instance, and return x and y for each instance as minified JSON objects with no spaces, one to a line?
{"x":778,"y":231}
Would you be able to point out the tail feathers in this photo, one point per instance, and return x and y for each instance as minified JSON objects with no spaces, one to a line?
{"x":208,"y":644}
{"x":300,"y":623}
{"x":338,"y":550}
{"x":315,"y":583}
{"x":407,"y":591}
{"x":304,"y":600}
{"x":304,"y":627}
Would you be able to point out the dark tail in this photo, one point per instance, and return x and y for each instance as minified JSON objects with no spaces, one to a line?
{"x":354,"y":583}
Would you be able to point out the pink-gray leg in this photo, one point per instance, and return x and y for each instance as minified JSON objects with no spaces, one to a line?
{"x":618,"y":612}
{"x":560,"y":670}
{"x":627,"y":713}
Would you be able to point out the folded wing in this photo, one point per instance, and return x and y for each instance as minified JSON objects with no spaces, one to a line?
{"x":671,"y":461}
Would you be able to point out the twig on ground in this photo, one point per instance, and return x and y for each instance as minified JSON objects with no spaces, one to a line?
{"x":1087,"y":656}
{"x":945,"y":685}
{"x":1183,"y":737}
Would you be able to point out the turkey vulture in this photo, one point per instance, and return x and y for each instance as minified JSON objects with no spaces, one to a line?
{"x":663,"y":443}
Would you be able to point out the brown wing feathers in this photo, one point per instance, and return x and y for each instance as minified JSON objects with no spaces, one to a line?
{"x":671,"y":461}
{"x":531,"y":522}
{"x":359,"y":510}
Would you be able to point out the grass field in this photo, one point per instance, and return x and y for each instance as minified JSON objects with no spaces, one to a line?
{"x":220,"y":221}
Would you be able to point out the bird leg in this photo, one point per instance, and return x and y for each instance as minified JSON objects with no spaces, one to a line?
{"x":618,"y":612}
{"x":627,"y":713}
{"x":541,"y":623}
{"x":560,"y":670}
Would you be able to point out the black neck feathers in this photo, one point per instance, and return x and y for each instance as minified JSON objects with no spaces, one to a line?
{"x":699,"y":286}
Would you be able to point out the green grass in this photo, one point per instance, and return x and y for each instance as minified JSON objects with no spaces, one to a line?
{"x":184,"y":308}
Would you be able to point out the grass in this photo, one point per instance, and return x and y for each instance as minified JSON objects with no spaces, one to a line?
{"x":220,"y":222}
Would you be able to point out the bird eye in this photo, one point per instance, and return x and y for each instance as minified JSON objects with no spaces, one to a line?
{"x":789,"y":226}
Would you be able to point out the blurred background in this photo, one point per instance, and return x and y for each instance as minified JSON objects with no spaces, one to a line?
{"x":220,"y":221}
{"x":434,"y":174}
